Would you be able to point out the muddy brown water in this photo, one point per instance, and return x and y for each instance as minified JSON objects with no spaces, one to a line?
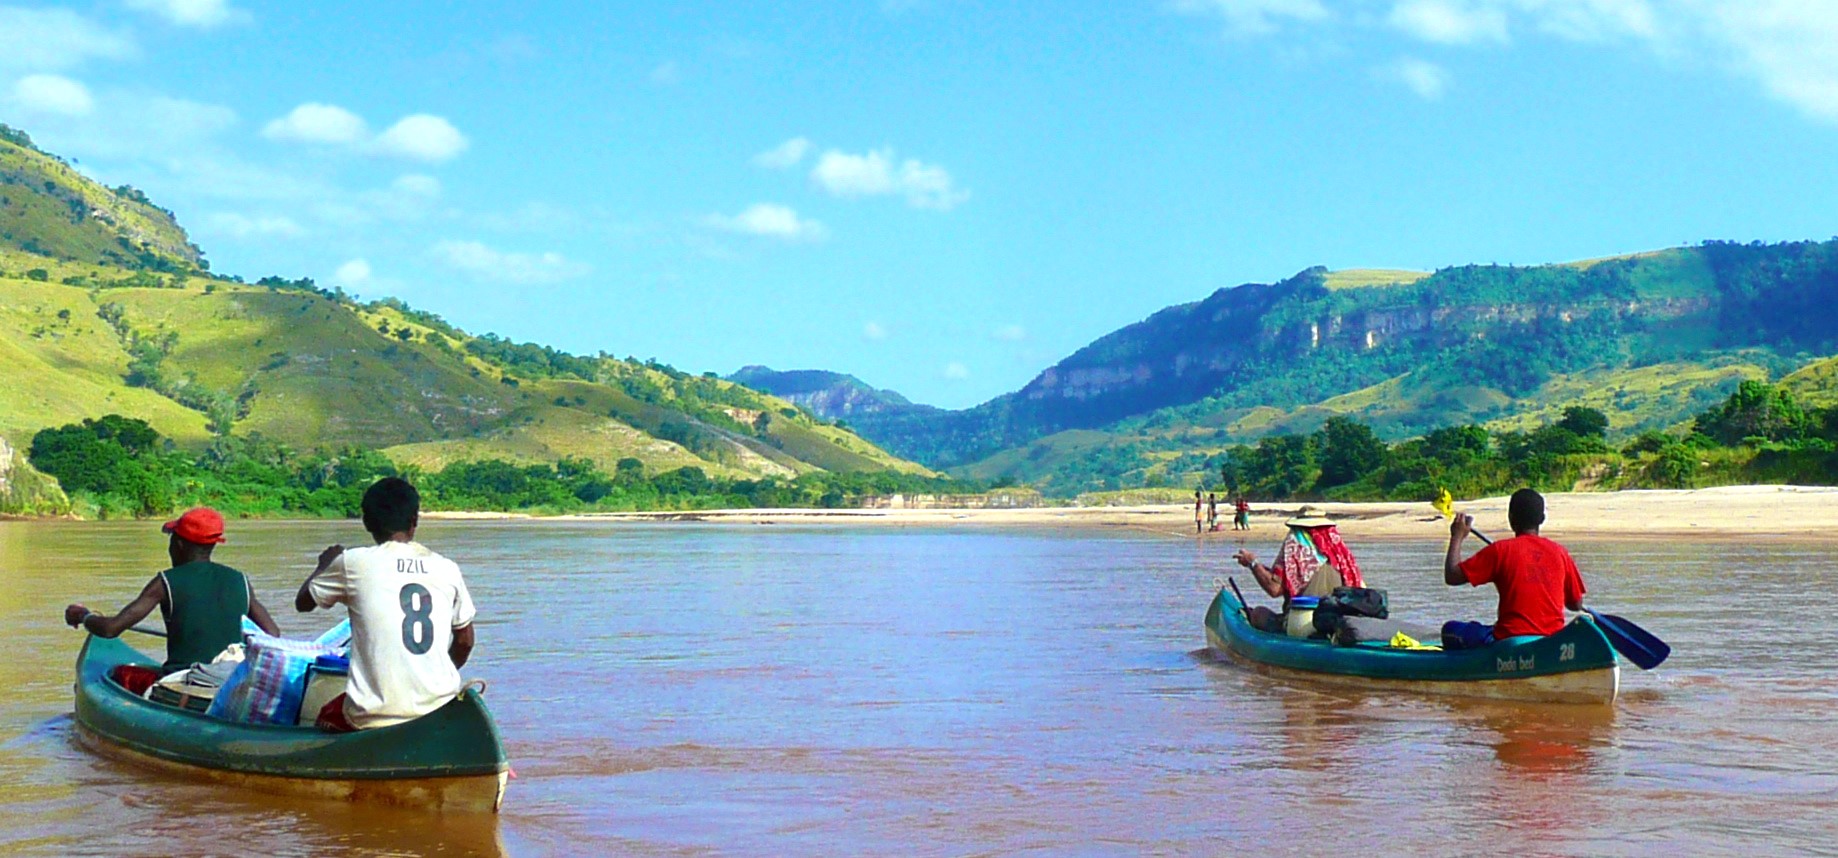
{"x":773,"y":690}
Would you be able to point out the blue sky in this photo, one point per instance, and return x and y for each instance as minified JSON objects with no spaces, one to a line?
{"x":941,"y":196}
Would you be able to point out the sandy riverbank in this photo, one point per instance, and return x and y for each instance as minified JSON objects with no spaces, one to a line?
{"x":1740,"y":512}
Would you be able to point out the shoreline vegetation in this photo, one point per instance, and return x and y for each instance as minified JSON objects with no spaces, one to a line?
{"x":1760,"y":443}
{"x":1725,"y":514}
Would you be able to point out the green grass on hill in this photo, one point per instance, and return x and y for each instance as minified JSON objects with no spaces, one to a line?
{"x":60,"y":363}
{"x":1816,"y":384}
{"x":1356,"y":278}
{"x":48,"y":208}
{"x":311,"y":371}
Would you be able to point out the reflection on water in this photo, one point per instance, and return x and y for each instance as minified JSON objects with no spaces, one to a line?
{"x":675,"y":689}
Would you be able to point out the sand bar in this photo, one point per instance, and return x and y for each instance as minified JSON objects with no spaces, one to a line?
{"x":1739,"y":512}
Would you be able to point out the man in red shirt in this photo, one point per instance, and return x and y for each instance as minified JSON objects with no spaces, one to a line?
{"x":1536,"y":578}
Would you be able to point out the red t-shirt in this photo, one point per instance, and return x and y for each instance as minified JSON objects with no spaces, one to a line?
{"x":1536,"y":578}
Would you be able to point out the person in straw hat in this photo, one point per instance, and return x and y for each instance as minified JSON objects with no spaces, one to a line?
{"x":1312,"y":561}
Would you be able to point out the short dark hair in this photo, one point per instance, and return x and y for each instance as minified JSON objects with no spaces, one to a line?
{"x":1525,"y":511}
{"x":391,"y":505}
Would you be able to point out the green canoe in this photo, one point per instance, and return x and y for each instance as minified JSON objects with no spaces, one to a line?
{"x":449,"y":759}
{"x":1576,"y":665}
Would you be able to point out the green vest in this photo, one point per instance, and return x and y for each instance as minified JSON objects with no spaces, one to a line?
{"x":204,"y":608}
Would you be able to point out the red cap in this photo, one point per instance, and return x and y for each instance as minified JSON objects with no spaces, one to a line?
{"x":201,"y":526}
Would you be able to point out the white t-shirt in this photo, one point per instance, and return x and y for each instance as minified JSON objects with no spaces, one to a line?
{"x":405,"y":601}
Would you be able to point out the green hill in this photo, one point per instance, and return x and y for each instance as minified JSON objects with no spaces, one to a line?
{"x":1650,"y":339}
{"x":106,"y":309}
{"x":48,"y":208}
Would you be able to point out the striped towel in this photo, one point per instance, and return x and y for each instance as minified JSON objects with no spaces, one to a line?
{"x":267,"y":687}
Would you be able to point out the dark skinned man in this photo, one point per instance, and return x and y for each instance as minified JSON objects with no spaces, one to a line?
{"x":411,"y":616}
{"x":1536,"y":578}
{"x":202,"y":602}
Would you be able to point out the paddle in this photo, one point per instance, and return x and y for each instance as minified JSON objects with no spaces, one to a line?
{"x":147,"y":631}
{"x":1242,"y":604}
{"x":1636,"y":644}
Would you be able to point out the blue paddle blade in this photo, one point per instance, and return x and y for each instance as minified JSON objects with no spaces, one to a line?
{"x":1638,"y":645}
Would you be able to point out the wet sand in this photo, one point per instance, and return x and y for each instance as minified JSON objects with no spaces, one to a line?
{"x":1730,"y":513}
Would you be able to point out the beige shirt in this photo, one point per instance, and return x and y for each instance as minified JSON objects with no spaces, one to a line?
{"x":405,"y":601}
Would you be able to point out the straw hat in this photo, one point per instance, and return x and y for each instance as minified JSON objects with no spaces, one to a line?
{"x":1310,"y":516}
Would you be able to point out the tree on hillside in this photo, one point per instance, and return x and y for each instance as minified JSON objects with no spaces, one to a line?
{"x":1584,"y":422}
{"x":1349,"y":450}
{"x":1455,"y":446}
{"x":1756,"y":410}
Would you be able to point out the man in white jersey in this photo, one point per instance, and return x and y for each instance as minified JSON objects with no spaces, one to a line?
{"x":411,"y":617}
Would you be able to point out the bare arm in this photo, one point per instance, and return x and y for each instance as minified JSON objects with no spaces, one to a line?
{"x":259,"y":613}
{"x":1459,"y":527}
{"x":303,"y":600}
{"x":104,"y":626}
{"x":461,"y":650}
{"x":1266,"y":577}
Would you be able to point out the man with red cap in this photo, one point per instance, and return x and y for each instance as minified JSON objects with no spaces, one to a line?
{"x":202,"y":602}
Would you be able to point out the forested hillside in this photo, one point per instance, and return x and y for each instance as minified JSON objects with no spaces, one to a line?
{"x":106,"y":309}
{"x":1649,"y":340}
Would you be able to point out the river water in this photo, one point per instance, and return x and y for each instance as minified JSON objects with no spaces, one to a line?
{"x":774,"y":690}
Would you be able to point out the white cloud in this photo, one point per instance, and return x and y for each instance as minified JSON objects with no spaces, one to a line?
{"x":313,"y":122}
{"x":783,"y":156}
{"x":250,"y":226}
{"x":956,"y":370}
{"x":874,"y":173}
{"x":1255,"y":17}
{"x":416,"y":184}
{"x":423,"y":137}
{"x":1428,"y":80}
{"x":420,"y":136}
{"x":488,"y":263}
{"x":873,"y":331}
{"x":203,"y":14}
{"x":50,"y":93}
{"x":769,"y":220}
{"x":1450,"y":22}
{"x":1601,"y":20}
{"x":53,"y":39}
{"x":1789,"y":46}
{"x":1010,"y":333}
{"x":666,"y":74}
{"x":353,"y":273}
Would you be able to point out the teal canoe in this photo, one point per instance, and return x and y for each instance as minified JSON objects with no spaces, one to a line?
{"x":1575,"y":665}
{"x":449,"y":760}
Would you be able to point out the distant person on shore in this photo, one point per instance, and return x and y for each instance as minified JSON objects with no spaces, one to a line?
{"x":1241,"y":514}
{"x":1312,"y":561}
{"x":1199,"y":513}
{"x":411,"y":616}
{"x":1536,"y":578}
{"x":202,"y":602}
{"x":1212,"y":511}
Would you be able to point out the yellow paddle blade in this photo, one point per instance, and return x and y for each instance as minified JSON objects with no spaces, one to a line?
{"x":1444,"y":504}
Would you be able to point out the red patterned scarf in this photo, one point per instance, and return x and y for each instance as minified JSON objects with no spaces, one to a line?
{"x":1296,"y":563}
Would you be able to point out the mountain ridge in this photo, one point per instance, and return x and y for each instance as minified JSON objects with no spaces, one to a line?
{"x":106,"y":307}
{"x":1500,"y":345}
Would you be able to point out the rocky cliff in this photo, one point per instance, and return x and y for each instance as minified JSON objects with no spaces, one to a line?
{"x":25,"y":491}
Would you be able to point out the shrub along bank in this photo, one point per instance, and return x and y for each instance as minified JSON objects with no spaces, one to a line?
{"x":120,"y":466}
{"x":1760,"y":434}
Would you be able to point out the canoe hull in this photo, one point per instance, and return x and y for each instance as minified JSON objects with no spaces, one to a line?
{"x":1576,"y":665}
{"x":475,"y":794}
{"x":448,"y":760}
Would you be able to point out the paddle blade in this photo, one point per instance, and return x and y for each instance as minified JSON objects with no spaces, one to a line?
{"x":1444,"y":504}
{"x":1638,"y":645}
